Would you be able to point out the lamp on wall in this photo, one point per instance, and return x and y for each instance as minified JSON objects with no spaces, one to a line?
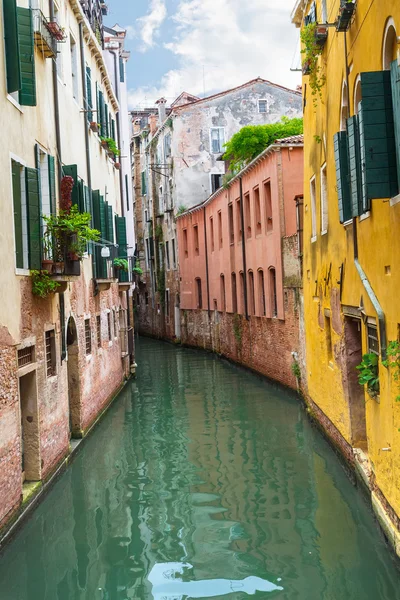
{"x":105,"y":252}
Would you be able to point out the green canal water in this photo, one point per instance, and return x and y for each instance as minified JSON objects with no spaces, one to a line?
{"x":202,"y":481}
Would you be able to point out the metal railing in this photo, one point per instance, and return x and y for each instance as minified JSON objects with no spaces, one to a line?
{"x":46,"y":34}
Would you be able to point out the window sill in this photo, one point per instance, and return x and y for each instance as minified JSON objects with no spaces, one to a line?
{"x":324,"y":232}
{"x":313,"y":239}
{"x":15,"y":103}
{"x":347,"y":223}
{"x":394,"y":200}
{"x":22,"y":272}
{"x":364,"y":216}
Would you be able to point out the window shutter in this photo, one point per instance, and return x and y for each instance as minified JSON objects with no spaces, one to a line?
{"x":27,"y":92}
{"x":101,"y":116}
{"x":16,"y":186}
{"x":52,"y":183}
{"x":120,"y":226}
{"x":378,"y":146}
{"x":113,"y":130}
{"x":97,"y":225}
{"x":354,"y":164}
{"x":34,"y":218}
{"x":12,"y":59}
{"x":121,"y":69}
{"x":72,"y":171}
{"x":110,"y":225}
{"x":127,"y":192}
{"x":144,"y":183}
{"x":81,"y":196}
{"x":89,"y":94}
{"x":106,"y":120}
{"x":342,"y":175}
{"x":395,"y":75}
{"x":102,"y":265}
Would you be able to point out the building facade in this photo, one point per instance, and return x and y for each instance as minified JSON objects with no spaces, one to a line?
{"x":351,"y":212}
{"x":240,"y":266}
{"x":180,"y":152}
{"x":64,"y":323}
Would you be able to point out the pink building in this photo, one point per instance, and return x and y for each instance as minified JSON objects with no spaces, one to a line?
{"x":239,"y":254}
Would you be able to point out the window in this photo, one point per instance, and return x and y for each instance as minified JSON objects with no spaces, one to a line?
{"x":247,"y":213}
{"x":324,"y":201}
{"x":212,"y":234}
{"x":272,"y":287}
{"x":27,"y":224}
{"x":261,"y":293}
{"x":109,"y":326}
{"x":220,"y":239}
{"x":263,"y":106}
{"x":217,"y":137}
{"x":115,"y":323}
{"x":241,"y":291}
{"x":59,"y":58}
{"x":328,"y":334}
{"x":230,"y":222}
{"x":144,"y":184}
{"x":344,"y":113}
{"x":372,"y":339}
{"x":196,"y":240}
{"x":268,"y":206}
{"x":234,"y":293}
{"x":26,"y":356}
{"x":199,"y":295}
{"x":389,"y":45}
{"x":313,"y":199}
{"x":185,"y":243}
{"x":252,"y":299}
{"x":167,"y":303}
{"x":98,"y":330}
{"x":173,"y":253}
{"x":167,"y":255}
{"x":50,"y":339}
{"x":20,"y":216}
{"x":324,"y":12}
{"x":222,"y":292}
{"x":88,"y":337}
{"x":146,"y":298}
{"x":161,"y":196}
{"x":74,"y":68}
{"x":167,"y":145}
{"x":357,"y":95}
{"x":216,"y":182}
{"x":257,"y":211}
{"x":239,"y":218}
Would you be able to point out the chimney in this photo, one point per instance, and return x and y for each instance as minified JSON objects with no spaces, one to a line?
{"x":136,"y":126}
{"x":161,"y":109}
{"x":153,"y":124}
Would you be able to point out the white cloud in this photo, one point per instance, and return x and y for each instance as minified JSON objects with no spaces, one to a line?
{"x":150,"y":24}
{"x":234,"y":41}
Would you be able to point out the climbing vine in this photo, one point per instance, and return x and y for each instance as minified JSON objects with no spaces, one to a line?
{"x":296,"y":370}
{"x":311,"y":51}
{"x":369,"y":373}
{"x":393,"y":362}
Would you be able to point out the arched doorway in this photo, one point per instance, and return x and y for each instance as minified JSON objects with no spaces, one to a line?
{"x":74,"y":388}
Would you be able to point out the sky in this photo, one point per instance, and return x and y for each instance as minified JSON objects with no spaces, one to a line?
{"x":204,"y":46}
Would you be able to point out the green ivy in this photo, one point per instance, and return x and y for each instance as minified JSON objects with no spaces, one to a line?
{"x":42,"y":284}
{"x":311,"y":51}
{"x":393,"y":362}
{"x":369,"y":373}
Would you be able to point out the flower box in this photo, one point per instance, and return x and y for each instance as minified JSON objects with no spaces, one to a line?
{"x":346,"y":13}
{"x":321,"y":34}
{"x":94,"y":127}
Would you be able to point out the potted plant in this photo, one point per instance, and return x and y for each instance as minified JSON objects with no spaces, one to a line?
{"x":346,"y":11}
{"x":71,"y":233}
{"x":121,"y":264}
{"x":47,"y":262}
{"x":104,"y":143}
{"x":94,"y":126}
{"x":369,"y":373}
{"x":42,"y":284}
{"x":112,"y":146}
{"x":321,"y":34}
{"x":136,"y":269}
{"x":310,"y":66}
{"x":117,"y":165}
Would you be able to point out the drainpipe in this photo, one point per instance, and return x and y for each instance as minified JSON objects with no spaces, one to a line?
{"x":364,"y":279}
{"x":207,"y":271}
{"x":85,"y":108}
{"x":56,"y":104}
{"x":246,"y":307}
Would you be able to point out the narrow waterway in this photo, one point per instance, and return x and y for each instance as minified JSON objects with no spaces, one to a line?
{"x":202,"y":481}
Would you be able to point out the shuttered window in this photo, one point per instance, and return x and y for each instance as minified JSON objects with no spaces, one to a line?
{"x":120,"y":227}
{"x":72,"y":171}
{"x":144,"y":190}
{"x":27,"y":92}
{"x":34,"y":218}
{"x":89,"y":94}
{"x":378,"y":146}
{"x":110,"y":224}
{"x":353,"y":138}
{"x":342,"y":175}
{"x":52,"y":184}
{"x":97,"y":225}
{"x":121,"y":69}
{"x":11,"y":46}
{"x":17,"y":202}
{"x":101,"y":115}
{"x":395,"y":76}
{"x":106,"y":119}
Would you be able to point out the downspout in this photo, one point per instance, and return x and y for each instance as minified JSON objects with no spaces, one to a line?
{"x":207,"y":271}
{"x":85,"y":107}
{"x":364,"y":279}
{"x":56,"y":104}
{"x":246,"y":307}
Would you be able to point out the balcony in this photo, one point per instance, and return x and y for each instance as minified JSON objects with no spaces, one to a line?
{"x":46,"y":34}
{"x":126,"y":277}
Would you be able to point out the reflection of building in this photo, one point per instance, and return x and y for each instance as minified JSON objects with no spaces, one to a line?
{"x":178,"y":163}
{"x":351,"y":245}
{"x":60,"y":97}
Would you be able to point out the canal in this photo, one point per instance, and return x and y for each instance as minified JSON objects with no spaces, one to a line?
{"x":202,"y":480}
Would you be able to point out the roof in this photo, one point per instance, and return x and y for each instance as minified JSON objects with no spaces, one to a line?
{"x":239,"y":87}
{"x":184,"y":98}
{"x":282,"y":143}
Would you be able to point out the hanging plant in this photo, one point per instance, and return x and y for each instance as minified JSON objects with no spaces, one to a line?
{"x":311,"y":51}
{"x":369,"y":373}
{"x":42,"y":284}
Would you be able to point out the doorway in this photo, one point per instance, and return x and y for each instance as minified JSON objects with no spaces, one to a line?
{"x":356,"y":396}
{"x":30,"y":438}
{"x":74,"y":393}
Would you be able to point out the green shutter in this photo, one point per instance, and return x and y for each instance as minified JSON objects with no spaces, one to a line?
{"x":34,"y":218}
{"x":378,"y":146}
{"x":120,"y":227}
{"x":72,"y":171}
{"x":127,"y":192}
{"x":97,"y":259}
{"x":110,"y":225}
{"x":88,"y":209}
{"x":81,"y":196}
{"x":16,"y":186}
{"x":395,"y":74}
{"x":106,"y":120}
{"x":89,"y":94}
{"x":354,"y":164}
{"x":52,"y":184}
{"x":27,"y":92}
{"x":101,"y":115}
{"x":121,"y":69}
{"x":12,"y":58}
{"x":342,"y":175}
{"x":144,"y":191}
{"x":113,"y":130}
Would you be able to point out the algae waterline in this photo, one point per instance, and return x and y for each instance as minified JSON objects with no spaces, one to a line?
{"x":202,"y":481}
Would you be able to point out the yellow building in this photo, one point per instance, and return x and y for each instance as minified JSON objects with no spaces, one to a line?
{"x":351,"y":240}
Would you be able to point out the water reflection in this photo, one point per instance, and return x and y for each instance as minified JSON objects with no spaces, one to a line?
{"x":200,"y":463}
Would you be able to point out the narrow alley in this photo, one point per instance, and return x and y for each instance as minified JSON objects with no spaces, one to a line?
{"x":202,"y":480}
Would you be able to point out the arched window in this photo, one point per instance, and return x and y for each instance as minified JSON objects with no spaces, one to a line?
{"x":252,"y":299}
{"x":357,"y":95}
{"x":389,"y":49}
{"x":272,"y":289}
{"x":344,"y":111}
{"x":222,"y":292}
{"x":241,"y":292}
{"x":199,"y":295}
{"x":261,"y":293}
{"x":234,"y":293}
